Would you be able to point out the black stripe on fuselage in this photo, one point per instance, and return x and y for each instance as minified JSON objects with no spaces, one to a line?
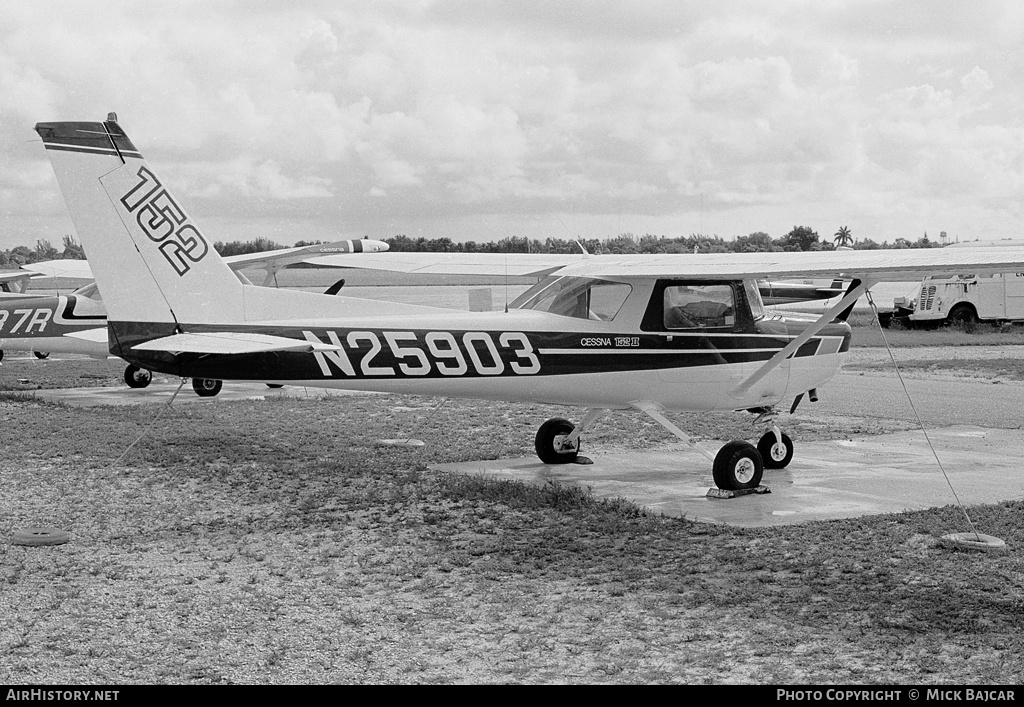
{"x":70,"y":315}
{"x":425,"y":353}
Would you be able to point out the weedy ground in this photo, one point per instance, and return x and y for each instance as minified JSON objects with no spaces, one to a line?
{"x":269,"y":542}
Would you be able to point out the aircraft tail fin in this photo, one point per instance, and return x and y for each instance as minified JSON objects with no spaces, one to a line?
{"x":150,"y":260}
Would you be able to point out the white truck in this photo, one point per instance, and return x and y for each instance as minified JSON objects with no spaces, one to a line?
{"x":963,"y":299}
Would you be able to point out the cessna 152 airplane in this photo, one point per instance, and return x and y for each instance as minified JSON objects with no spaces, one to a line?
{"x":650,"y":333}
{"x":77,"y":323}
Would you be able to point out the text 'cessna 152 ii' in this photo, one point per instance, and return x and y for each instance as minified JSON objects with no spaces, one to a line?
{"x":650,"y":333}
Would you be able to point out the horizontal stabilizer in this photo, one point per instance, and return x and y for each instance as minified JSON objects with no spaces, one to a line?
{"x":98,"y":335}
{"x":305,"y":254}
{"x":17,"y":276}
{"x":60,"y":268}
{"x":230,"y":342}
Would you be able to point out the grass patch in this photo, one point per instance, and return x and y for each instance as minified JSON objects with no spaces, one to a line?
{"x":991,"y":368}
{"x":866,"y":333}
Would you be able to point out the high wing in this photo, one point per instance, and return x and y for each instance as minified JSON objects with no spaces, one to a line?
{"x":875,"y":265}
{"x":887,"y":265}
{"x":323,"y":255}
{"x":539,"y":265}
{"x":511,"y":264}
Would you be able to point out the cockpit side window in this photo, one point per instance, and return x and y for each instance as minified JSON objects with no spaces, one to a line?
{"x":698,"y":307}
{"x":702,"y":305}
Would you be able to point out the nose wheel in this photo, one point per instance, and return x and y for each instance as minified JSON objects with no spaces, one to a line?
{"x":776,"y":449}
{"x":558,"y":440}
{"x":553,"y":444}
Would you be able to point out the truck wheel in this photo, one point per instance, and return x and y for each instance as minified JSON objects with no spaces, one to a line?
{"x":963,"y":317}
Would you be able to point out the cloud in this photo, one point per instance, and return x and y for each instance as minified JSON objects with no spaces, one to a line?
{"x":736,"y":114}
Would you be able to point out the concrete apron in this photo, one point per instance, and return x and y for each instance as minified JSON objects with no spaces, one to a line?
{"x":826,"y":480}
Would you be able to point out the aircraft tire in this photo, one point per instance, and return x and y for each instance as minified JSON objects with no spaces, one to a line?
{"x":1,"y":354}
{"x":548,"y":434}
{"x":206,"y":387}
{"x":275,"y":385}
{"x":40,"y":355}
{"x":137,"y":377}
{"x":774,"y":456}
{"x":738,"y":466}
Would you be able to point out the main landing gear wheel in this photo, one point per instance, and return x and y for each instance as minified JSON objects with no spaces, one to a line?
{"x":738,"y":466}
{"x":40,"y":355}
{"x":137,"y":377}
{"x":550,"y":442}
{"x":206,"y":387}
{"x":773,"y":454}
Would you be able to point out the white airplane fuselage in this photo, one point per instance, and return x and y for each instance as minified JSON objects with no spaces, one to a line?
{"x":524,"y":354}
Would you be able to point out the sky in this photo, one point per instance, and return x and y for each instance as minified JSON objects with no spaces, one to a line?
{"x":478,"y":120}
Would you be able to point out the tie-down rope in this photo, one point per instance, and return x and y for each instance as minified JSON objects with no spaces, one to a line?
{"x":920,"y":422}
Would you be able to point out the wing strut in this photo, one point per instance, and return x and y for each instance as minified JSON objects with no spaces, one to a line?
{"x":847,"y":301}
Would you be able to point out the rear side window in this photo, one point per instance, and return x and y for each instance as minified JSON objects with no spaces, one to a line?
{"x":698,"y":307}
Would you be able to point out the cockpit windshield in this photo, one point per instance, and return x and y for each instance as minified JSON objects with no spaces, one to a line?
{"x":579,"y":297}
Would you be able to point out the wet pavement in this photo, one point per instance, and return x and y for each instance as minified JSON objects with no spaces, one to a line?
{"x":828,"y":480}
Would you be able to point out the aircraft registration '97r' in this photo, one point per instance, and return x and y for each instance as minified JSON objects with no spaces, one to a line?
{"x":651,"y":333}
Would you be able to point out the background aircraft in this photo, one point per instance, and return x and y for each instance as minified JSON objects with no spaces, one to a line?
{"x":649,"y":333}
{"x":14,"y":282}
{"x":77,"y":323}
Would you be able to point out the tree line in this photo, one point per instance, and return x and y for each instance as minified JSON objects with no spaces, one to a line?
{"x":801,"y":238}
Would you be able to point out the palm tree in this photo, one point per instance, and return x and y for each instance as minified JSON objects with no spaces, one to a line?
{"x":843,"y":237}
